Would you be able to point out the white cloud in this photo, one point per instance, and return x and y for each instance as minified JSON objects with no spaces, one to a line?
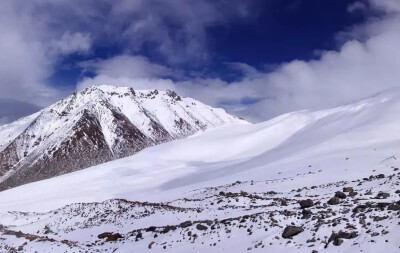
{"x":37,"y":34}
{"x":358,"y":69}
{"x":387,"y":5}
{"x":72,"y":43}
{"x":136,"y":83}
{"x":357,"y":6}
{"x":28,"y":50}
{"x":127,"y":66}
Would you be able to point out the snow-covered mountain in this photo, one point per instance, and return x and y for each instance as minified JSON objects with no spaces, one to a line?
{"x":307,"y":181}
{"x":96,"y":125}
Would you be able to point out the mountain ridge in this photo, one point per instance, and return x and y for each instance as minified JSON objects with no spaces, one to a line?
{"x":95,"y":125}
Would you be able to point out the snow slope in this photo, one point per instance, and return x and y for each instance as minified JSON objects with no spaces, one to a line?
{"x":287,"y":144}
{"x":265,"y":168}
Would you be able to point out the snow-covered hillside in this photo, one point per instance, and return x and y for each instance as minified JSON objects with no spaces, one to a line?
{"x":324,"y":181}
{"x":97,"y":125}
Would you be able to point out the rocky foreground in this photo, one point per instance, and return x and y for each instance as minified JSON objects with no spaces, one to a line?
{"x":357,"y":216}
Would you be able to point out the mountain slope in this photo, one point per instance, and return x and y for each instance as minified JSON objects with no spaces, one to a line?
{"x":286,"y":145}
{"x":96,"y":125}
{"x":236,"y":188}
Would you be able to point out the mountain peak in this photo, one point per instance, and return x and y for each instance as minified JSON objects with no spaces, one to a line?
{"x":98,"y":124}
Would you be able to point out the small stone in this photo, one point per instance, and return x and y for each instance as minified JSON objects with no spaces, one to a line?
{"x":382,"y":195}
{"x":186,"y":224}
{"x":340,"y":195}
{"x":394,"y":207}
{"x":306,"y":203}
{"x":337,"y":242}
{"x":151,"y":244}
{"x":291,"y":231}
{"x":347,"y":235}
{"x":334,"y":201}
{"x":353,"y":193}
{"x":348,"y":189}
{"x":201,"y":227}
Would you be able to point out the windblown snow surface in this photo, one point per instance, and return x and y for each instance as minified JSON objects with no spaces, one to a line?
{"x":232,"y":189}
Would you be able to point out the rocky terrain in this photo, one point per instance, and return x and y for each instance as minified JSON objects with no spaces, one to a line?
{"x":96,"y":125}
{"x":357,"y":216}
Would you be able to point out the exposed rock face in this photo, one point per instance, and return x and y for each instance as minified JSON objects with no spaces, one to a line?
{"x":97,"y":125}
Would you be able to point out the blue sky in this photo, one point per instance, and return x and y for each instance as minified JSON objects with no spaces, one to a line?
{"x":256,"y":58}
{"x":275,"y":32}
